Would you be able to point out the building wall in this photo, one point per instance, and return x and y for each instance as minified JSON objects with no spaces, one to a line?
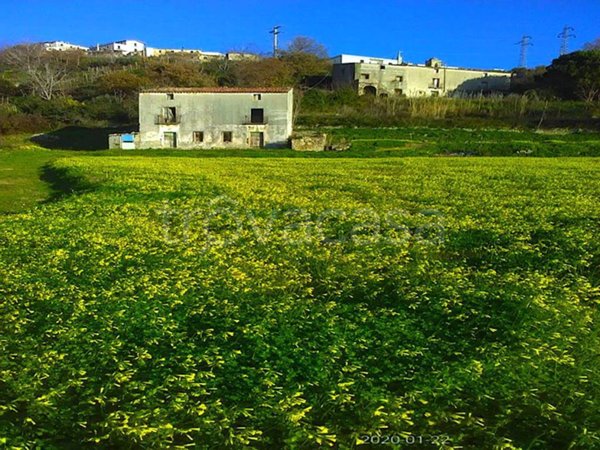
{"x":416,"y":80}
{"x":125,"y":47}
{"x":344,"y":59}
{"x":213,"y":114}
{"x":63,"y":46}
{"x":201,"y":55}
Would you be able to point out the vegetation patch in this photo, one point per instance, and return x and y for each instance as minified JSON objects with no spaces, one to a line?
{"x":304,"y":302}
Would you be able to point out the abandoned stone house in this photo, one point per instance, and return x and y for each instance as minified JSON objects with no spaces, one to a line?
{"x":215,"y":117}
{"x":387,"y":77}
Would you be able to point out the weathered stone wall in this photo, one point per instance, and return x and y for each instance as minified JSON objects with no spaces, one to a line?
{"x":309,"y":143}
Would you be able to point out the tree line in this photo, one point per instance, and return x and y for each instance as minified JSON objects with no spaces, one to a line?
{"x":40,"y":89}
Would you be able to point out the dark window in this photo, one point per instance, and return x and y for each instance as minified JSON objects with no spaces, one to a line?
{"x":257,"y":97}
{"x":227,"y":136}
{"x":364,"y":76}
{"x":170,"y":96}
{"x":257,"y":115}
{"x":436,"y":82}
{"x":382,"y":67}
{"x":198,"y":136}
{"x":398,"y":91}
{"x":399,"y":78}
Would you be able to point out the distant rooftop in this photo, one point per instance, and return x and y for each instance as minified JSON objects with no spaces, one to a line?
{"x":208,"y":90}
{"x":356,"y":59}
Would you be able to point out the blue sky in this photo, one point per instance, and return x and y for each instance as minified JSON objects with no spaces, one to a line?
{"x":470,"y":33}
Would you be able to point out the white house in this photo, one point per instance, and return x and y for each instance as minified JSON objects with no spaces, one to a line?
{"x":126,"y":47}
{"x":215,"y":117}
{"x":62,"y":46}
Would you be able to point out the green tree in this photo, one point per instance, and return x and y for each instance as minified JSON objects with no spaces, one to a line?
{"x":178,"y":72}
{"x":575,"y":75}
{"x":268,"y":72}
{"x":526,"y":80}
{"x":122,"y":83}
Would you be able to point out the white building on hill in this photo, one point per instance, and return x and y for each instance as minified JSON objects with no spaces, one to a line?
{"x":125,"y":47}
{"x":62,"y":46}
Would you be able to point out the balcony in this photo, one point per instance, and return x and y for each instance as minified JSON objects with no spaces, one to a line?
{"x":167,"y":120}
{"x":255,"y":120}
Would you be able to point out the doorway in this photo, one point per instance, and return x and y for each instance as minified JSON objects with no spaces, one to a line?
{"x":257,"y":139}
{"x":170,"y":140}
{"x":370,"y":90}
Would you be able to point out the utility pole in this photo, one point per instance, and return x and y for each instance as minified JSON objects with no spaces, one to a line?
{"x":564,"y":39}
{"x":524,"y":43}
{"x":275,"y":32}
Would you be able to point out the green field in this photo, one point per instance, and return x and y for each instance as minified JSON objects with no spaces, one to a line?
{"x":274,"y":302}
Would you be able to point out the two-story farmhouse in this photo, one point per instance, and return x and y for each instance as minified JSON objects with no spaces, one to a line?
{"x":215,"y":117}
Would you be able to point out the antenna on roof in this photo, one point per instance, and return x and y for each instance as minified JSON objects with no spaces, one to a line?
{"x":275,"y":32}
{"x":524,"y":43}
{"x":564,"y":39}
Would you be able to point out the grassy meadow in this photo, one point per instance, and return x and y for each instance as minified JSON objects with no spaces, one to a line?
{"x":272,"y":299}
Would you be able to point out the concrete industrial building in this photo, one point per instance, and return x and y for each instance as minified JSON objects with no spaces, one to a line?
{"x":215,"y":117}
{"x":388,"y":77}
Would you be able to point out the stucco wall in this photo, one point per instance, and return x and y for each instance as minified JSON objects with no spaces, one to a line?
{"x":213,"y":114}
{"x":415,"y":81}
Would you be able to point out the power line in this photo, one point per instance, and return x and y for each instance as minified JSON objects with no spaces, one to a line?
{"x":524,"y":43}
{"x":564,"y":39}
{"x":275,"y":32}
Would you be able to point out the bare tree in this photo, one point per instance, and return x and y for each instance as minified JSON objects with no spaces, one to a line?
{"x":46,"y":71}
{"x":594,"y":45}
{"x":304,"y":44}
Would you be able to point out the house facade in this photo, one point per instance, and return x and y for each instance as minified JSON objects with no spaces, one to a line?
{"x":125,"y":47}
{"x":215,"y":117}
{"x":393,"y":77}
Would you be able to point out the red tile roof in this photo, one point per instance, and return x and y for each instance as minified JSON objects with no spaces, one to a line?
{"x":232,"y":90}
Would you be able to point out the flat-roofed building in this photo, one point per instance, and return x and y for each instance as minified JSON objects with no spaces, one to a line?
{"x":383,"y":77}
{"x":125,"y":47}
{"x":62,"y":46}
